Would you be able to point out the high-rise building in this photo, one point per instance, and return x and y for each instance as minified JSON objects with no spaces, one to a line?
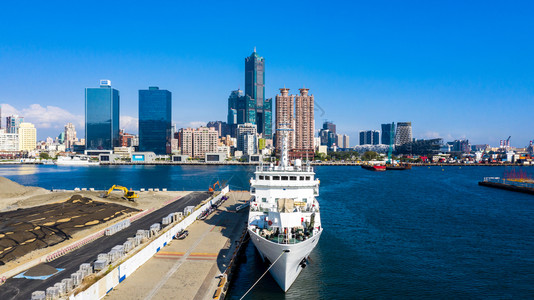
{"x":244,"y":137}
{"x":255,"y":89}
{"x":102,"y":117}
{"x":197,"y":142}
{"x":369,"y":137}
{"x":9,"y":141}
{"x":304,"y":125}
{"x":388,"y":133}
{"x":70,"y":136}
{"x":346,"y":143}
{"x":296,"y":113}
{"x":285,"y":117}
{"x":12,"y":123}
{"x":155,"y":121}
{"x":27,"y":137}
{"x":185,"y":141}
{"x":219,"y":126}
{"x":330,"y":126}
{"x":404,"y":133}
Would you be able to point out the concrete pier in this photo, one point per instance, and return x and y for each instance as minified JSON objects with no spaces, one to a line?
{"x":190,"y":268}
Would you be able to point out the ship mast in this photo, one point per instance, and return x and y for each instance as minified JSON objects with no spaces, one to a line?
{"x":284,"y":157}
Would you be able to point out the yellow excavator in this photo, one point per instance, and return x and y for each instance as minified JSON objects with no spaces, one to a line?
{"x":129,"y":195}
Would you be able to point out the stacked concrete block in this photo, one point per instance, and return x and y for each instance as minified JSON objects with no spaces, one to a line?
{"x":188,"y":210}
{"x":52,"y":293}
{"x":62,"y":288}
{"x":68,"y":284}
{"x":86,"y":269}
{"x":100,"y":265}
{"x":38,"y":295}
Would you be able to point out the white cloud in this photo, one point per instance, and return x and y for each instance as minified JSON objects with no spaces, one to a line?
{"x":129,"y":124}
{"x":431,"y":135}
{"x":44,"y":117}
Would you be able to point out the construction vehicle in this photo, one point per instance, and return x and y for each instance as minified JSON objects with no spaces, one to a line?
{"x":128,"y":194}
{"x":212,"y":189}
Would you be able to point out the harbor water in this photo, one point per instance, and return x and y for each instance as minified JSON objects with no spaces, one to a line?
{"x":423,"y":233}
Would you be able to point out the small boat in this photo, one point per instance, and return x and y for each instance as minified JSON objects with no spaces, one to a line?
{"x":400,"y":167}
{"x":182,"y":234}
{"x":378,"y":168}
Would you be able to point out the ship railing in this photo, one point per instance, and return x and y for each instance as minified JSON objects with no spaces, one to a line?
{"x":509,"y":182}
{"x":286,"y":169}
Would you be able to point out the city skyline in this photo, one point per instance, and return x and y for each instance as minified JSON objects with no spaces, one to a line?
{"x":454,"y":70}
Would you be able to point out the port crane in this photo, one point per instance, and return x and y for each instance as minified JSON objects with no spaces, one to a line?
{"x":128,"y":195}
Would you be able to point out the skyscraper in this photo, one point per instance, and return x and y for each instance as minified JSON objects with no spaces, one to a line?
{"x":12,"y":123}
{"x":404,"y":133}
{"x":388,"y":134}
{"x":102,"y":117}
{"x":304,"y":125}
{"x":369,"y":137}
{"x":330,"y":126}
{"x":255,"y":89}
{"x":285,"y":117}
{"x":155,"y":121}
{"x":70,"y":135}
{"x":27,"y":137}
{"x":296,"y":112}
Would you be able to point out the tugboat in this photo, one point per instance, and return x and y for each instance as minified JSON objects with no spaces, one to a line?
{"x":378,"y":168}
{"x":284,"y":220}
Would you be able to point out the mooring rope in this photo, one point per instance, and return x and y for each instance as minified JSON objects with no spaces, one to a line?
{"x":263,"y":274}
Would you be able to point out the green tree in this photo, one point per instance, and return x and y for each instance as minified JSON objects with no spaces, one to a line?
{"x":369,"y":155}
{"x":44,"y":155}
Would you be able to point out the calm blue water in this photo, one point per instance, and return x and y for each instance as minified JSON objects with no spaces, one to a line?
{"x":424,"y":233}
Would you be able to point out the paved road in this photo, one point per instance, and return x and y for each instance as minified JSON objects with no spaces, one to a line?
{"x":23,"y":288}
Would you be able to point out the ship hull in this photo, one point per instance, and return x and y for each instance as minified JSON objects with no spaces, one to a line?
{"x":290,"y":264}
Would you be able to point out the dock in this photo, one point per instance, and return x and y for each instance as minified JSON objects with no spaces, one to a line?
{"x":515,"y":186}
{"x":195,"y":267}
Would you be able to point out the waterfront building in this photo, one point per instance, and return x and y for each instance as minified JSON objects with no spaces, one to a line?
{"x":244,"y":133}
{"x":27,"y":137}
{"x":102,"y":117}
{"x":13,"y":122}
{"x":9,"y":141}
{"x":197,"y":142}
{"x":388,"y":134}
{"x":127,"y":139}
{"x":404,"y":133}
{"x":155,"y":122}
{"x":69,"y":135}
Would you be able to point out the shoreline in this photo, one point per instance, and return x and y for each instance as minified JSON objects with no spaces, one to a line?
{"x":169,"y":163}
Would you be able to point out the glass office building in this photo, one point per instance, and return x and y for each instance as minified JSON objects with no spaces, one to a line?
{"x":102,"y":117}
{"x":155,"y":128}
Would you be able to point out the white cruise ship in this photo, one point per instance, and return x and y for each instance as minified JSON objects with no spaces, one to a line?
{"x":284,"y":222}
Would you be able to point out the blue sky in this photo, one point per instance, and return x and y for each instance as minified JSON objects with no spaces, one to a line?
{"x":455,"y":69}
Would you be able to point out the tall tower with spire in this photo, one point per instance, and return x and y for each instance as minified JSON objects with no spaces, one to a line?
{"x":255,"y":89}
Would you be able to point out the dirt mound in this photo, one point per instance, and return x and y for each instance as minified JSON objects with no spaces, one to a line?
{"x":40,"y":270}
{"x":10,"y":189}
{"x":25,"y":230}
